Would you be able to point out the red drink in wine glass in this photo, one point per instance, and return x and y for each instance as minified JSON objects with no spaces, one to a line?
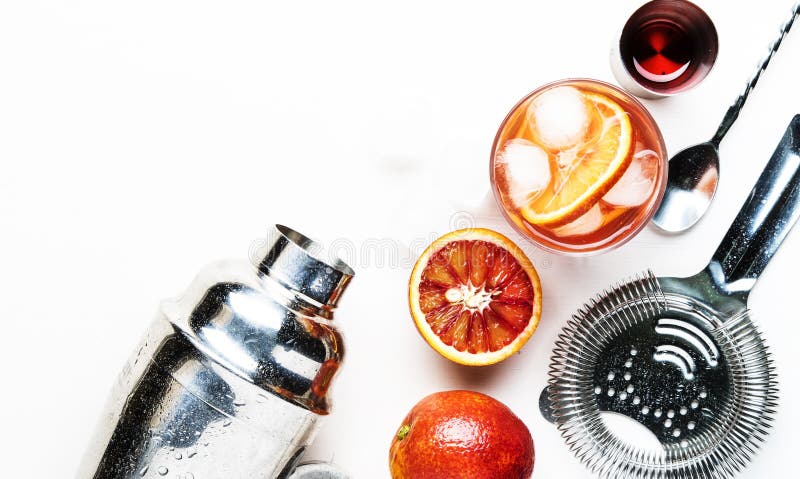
{"x":666,"y":47}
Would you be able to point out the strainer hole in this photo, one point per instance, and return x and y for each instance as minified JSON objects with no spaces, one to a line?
{"x":611,"y":376}
{"x":684,"y":443}
{"x":694,"y":404}
{"x":634,"y":352}
{"x":691,"y":425}
{"x":629,"y":388}
{"x":623,"y":395}
{"x":684,"y":411}
{"x":657,"y":413}
{"x":611,"y":392}
{"x":627,"y":376}
{"x":670,"y":414}
{"x":598,"y":390}
{"x":636,"y":400}
{"x":668,"y":423}
{"x":628,"y":363}
{"x":676,"y":433}
{"x":645,"y":410}
{"x":703,"y":394}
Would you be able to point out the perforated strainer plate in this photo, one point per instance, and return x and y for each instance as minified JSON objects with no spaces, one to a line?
{"x":705,"y":387}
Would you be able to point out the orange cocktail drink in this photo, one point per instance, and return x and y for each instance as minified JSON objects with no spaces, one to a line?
{"x":578,"y":166}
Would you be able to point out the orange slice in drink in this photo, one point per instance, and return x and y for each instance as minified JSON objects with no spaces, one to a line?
{"x":586,"y":172}
{"x":475,"y":297}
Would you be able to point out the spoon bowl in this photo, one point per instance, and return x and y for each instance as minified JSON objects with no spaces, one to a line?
{"x":691,"y":185}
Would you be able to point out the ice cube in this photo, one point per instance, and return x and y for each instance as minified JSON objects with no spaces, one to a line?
{"x":585,"y":224}
{"x":637,"y":183}
{"x":527,"y":170}
{"x":559,"y":117}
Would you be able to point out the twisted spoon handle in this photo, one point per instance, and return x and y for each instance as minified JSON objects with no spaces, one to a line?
{"x":733,"y":111}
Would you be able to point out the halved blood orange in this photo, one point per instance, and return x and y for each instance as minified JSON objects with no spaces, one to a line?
{"x":475,"y":297}
{"x":585,"y":173}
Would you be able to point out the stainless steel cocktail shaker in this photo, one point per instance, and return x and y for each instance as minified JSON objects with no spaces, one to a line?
{"x":232,"y":377}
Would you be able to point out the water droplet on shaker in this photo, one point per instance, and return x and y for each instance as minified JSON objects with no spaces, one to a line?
{"x":239,"y":402}
{"x":178,"y":456}
{"x":191,"y":453}
{"x":226,"y":423}
{"x":144,"y":470}
{"x":162,"y":471}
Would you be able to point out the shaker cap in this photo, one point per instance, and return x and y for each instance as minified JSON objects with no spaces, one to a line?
{"x":304,"y":265}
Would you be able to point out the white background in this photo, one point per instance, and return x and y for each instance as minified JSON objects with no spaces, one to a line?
{"x":141,"y":140}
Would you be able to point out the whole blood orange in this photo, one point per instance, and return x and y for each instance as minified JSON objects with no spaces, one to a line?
{"x":475,"y":297}
{"x":461,"y":435}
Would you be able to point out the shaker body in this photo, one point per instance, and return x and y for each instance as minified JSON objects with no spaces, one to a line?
{"x":229,"y":382}
{"x":175,"y":422}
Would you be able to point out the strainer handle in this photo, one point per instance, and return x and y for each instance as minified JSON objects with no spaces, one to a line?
{"x":769,"y":213}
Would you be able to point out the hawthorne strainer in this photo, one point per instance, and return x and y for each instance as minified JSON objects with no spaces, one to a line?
{"x":681,"y":356}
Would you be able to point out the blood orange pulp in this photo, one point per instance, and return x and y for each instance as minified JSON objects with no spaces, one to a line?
{"x":475,"y":297}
